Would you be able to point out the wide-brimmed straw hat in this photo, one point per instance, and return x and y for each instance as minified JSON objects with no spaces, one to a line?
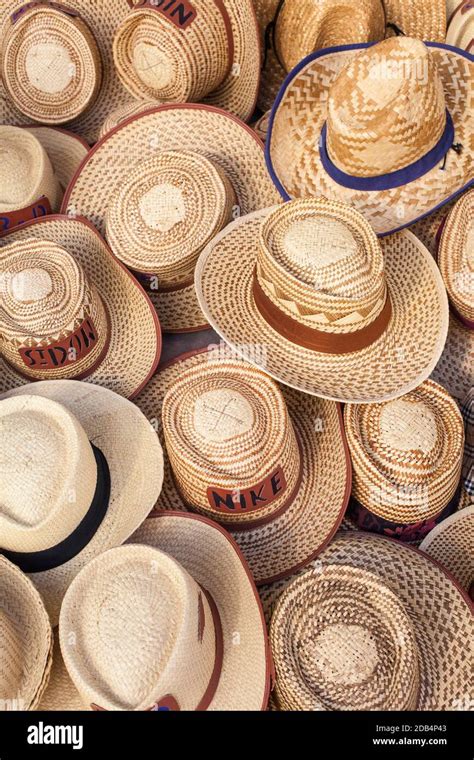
{"x":80,"y":492}
{"x":460,"y":32}
{"x":26,"y":640}
{"x":349,"y":630}
{"x":451,"y":543}
{"x":191,"y":52}
{"x":340,"y":314}
{"x":71,"y":310}
{"x":56,"y":63}
{"x":387,"y":128}
{"x":160,"y":186}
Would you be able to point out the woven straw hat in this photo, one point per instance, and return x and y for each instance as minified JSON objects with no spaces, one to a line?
{"x":387,"y":128}
{"x":26,"y":641}
{"x":460,"y":31}
{"x":451,"y":543}
{"x":85,"y":435}
{"x":159,"y":205}
{"x":339,"y":314}
{"x":369,"y":596}
{"x":428,"y":229}
{"x":56,"y":63}
{"x":60,"y":693}
{"x":204,"y":51}
{"x":455,"y":368}
{"x":75,"y":312}
{"x":118,"y":115}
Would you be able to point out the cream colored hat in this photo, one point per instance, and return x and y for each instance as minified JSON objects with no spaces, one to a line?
{"x":460,"y":31}
{"x":337,"y":312}
{"x":452,"y":544}
{"x":93,"y":476}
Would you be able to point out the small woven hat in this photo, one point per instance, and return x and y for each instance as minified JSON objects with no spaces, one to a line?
{"x":70,"y":310}
{"x":340,"y":314}
{"x":152,"y":625}
{"x":349,"y":629}
{"x":460,"y":31}
{"x":26,"y":641}
{"x":452,"y":544}
{"x":80,"y":492}
{"x":387,"y":128}
{"x":118,"y":115}
{"x":207,"y":50}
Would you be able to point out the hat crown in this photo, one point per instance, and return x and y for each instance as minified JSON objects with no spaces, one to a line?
{"x":26,"y":173}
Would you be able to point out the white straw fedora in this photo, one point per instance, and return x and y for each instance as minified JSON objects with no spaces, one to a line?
{"x":451,"y":543}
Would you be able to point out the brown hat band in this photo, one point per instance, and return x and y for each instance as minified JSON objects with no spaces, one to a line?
{"x":10,"y":219}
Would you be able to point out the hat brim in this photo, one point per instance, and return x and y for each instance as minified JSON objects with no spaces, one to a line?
{"x":60,"y":693}
{"x":394,"y":364}
{"x":117,"y":427}
{"x":135,"y":337}
{"x":450,"y":543}
{"x":455,"y":368}
{"x":66,"y":151}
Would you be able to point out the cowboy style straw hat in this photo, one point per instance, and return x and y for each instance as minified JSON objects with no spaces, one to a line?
{"x":71,"y":310}
{"x":200,"y":51}
{"x":340,"y":314}
{"x":160,"y":186}
{"x":80,"y":492}
{"x":371,"y":608}
{"x":56,"y":63}
{"x":26,"y":641}
{"x":451,"y":543}
{"x":460,"y":31}
{"x":373,"y":125}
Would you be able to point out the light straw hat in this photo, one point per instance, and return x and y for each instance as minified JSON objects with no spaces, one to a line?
{"x":26,"y":641}
{"x":460,"y":31}
{"x":118,"y":115}
{"x":60,"y":693}
{"x":387,"y":128}
{"x":452,"y":544}
{"x":71,"y":310}
{"x":428,"y":229}
{"x":160,"y":185}
{"x":340,"y":314}
{"x":191,"y":52}
{"x":93,"y":477}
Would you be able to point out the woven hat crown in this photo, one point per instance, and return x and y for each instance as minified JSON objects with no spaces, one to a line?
{"x":456,"y":257}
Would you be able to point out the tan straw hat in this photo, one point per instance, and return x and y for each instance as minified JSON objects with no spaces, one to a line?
{"x":428,"y":229}
{"x":80,"y":491}
{"x":350,"y":629}
{"x":455,"y":368}
{"x":207,"y":50}
{"x":124,"y":112}
{"x":60,"y":693}
{"x":56,"y":63}
{"x":452,"y":544}
{"x":339,"y":313}
{"x":171,"y":621}
{"x":388,"y":128}
{"x":71,"y":310}
{"x":160,"y":186}
{"x":26,"y":641}
{"x":460,"y":31}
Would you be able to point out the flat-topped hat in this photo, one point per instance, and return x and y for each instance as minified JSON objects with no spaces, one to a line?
{"x":460,"y":32}
{"x":178,"y":51}
{"x":82,"y":491}
{"x":341,"y":314}
{"x":387,"y":128}
{"x":71,"y":310}
{"x":451,"y":543}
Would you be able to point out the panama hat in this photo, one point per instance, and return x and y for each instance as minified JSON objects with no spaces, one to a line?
{"x":341,"y":314}
{"x":349,"y":630}
{"x":56,"y":63}
{"x":387,"y":128}
{"x":124,"y":112}
{"x":460,"y":31}
{"x":160,"y":185}
{"x":75,"y":312}
{"x":190,"y":52}
{"x":451,"y":544}
{"x":26,"y":641}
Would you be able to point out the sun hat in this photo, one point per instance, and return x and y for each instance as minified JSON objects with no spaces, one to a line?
{"x":56,"y":63}
{"x":118,"y":115}
{"x":387,"y":128}
{"x":180,"y":581}
{"x":159,"y":205}
{"x":451,"y":543}
{"x":80,"y":491}
{"x":362,"y":573}
{"x":26,"y":641}
{"x":428,"y":229}
{"x":199,"y":51}
{"x":71,"y":310}
{"x":460,"y":32}
{"x":341,"y":314}
{"x":60,"y":693}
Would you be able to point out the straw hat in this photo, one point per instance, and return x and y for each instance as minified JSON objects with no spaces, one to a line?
{"x":204,"y":51}
{"x":75,"y":312}
{"x":181,"y":582}
{"x":118,"y":115}
{"x":268,"y":463}
{"x":340,"y":314}
{"x":160,"y":186}
{"x":428,"y":229}
{"x":37,"y":165}
{"x":60,"y":693}
{"x":451,"y":543}
{"x":460,"y":31}
{"x":26,"y":641}
{"x":387,"y":128}
{"x":384,"y":605}
{"x":260,"y":126}
{"x":56,"y":63}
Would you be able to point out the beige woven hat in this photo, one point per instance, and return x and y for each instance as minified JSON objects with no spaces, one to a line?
{"x":428,"y":229}
{"x":460,"y":32}
{"x":207,"y":50}
{"x":451,"y":543}
{"x":56,"y":63}
{"x":383,"y":606}
{"x":387,"y":128}
{"x":118,"y":115}
{"x":339,"y":314}
{"x":160,"y":186}
{"x":26,"y":641}
{"x":93,"y":477}
{"x":70,"y":310}
{"x":455,"y":368}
